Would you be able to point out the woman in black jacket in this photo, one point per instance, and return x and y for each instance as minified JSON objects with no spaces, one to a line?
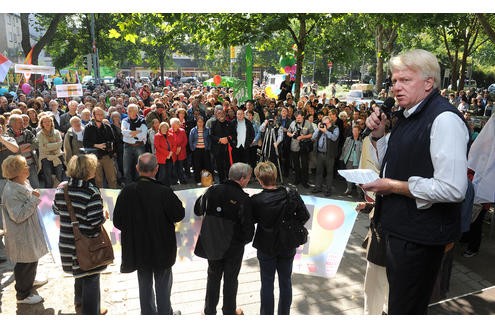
{"x":269,"y":207}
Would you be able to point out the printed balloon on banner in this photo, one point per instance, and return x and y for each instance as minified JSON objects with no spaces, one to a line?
{"x":58,"y":81}
{"x":217,"y":79}
{"x":269,"y":92}
{"x":330,"y":217}
{"x":26,"y":88}
{"x":3,"y":91}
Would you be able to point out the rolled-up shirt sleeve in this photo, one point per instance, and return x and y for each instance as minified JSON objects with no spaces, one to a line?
{"x":448,"y":148}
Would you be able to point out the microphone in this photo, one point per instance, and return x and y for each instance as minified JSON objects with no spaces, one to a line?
{"x":385,"y":108}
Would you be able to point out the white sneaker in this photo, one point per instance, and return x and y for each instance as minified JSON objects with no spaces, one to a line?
{"x":31,"y":299}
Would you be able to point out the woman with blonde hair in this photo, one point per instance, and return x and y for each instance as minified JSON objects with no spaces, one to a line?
{"x":88,"y":207}
{"x":24,"y":240}
{"x":270,"y":206}
{"x":51,"y":156}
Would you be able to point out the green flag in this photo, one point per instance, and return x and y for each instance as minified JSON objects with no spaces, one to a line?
{"x":249,"y":71}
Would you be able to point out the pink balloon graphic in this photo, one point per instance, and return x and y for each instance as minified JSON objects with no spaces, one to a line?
{"x":330,"y":217}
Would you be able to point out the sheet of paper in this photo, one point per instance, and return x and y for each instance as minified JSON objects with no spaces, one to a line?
{"x":359,"y":176}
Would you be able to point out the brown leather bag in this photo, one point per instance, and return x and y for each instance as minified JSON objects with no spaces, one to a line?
{"x":91,"y":252}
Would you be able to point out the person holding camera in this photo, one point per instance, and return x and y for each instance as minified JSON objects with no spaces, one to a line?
{"x":300,"y":130}
{"x":100,"y":137}
{"x":326,"y":138}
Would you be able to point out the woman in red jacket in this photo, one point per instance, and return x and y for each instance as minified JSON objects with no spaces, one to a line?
{"x":164,"y":150}
{"x":180,"y":154}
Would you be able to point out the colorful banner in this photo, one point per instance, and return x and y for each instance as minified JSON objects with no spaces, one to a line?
{"x":329,"y":229}
{"x":241,"y":91}
{"x":69,"y":90}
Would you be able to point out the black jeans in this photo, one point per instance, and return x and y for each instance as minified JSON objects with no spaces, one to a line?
{"x":24,"y":273}
{"x":163,"y":287}
{"x":87,"y":294}
{"x":411,"y":272}
{"x":475,"y":231}
{"x":201,"y":161}
{"x":282,"y":264}
{"x":300,"y":162}
{"x":228,"y":268}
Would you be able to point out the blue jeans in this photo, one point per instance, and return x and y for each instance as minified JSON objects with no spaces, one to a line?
{"x":87,"y":293}
{"x":47,"y":168}
{"x":163,"y":288}
{"x":131,"y":155}
{"x":282,"y":263}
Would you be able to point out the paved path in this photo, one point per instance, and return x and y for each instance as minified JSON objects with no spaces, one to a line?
{"x":312,"y":295}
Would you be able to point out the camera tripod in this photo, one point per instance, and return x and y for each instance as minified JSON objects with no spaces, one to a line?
{"x":266,"y":148}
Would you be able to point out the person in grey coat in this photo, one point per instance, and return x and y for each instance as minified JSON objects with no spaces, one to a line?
{"x":24,"y":240}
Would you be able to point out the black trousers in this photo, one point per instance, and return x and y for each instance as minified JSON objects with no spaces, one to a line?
{"x":240,"y":154}
{"x":300,"y":162}
{"x":473,"y":236}
{"x":24,"y":273}
{"x":222,"y":162}
{"x":229,"y":268}
{"x":201,"y":161}
{"x":411,"y":272}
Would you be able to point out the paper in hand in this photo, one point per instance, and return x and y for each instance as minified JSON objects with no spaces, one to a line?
{"x":359,"y":176}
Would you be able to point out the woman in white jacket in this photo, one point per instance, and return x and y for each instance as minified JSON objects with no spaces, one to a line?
{"x":24,"y":240}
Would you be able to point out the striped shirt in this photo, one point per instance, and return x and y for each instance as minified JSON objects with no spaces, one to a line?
{"x":88,"y":207}
{"x":201,"y":140}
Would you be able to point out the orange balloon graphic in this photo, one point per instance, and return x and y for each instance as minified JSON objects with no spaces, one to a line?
{"x":330,"y":217}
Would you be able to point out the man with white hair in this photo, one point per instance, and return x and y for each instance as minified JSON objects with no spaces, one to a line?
{"x":134,"y":132}
{"x":65,"y":118}
{"x":423,"y":180}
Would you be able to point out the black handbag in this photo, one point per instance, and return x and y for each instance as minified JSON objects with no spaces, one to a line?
{"x":291,"y":232}
{"x":306,"y":145}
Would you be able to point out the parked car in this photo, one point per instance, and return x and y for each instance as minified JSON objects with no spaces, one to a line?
{"x":362,"y":93}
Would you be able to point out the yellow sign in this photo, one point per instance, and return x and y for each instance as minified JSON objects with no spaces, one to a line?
{"x":232,"y":52}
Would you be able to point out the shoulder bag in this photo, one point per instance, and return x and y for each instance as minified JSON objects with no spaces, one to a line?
{"x":291,"y":232}
{"x":91,"y":252}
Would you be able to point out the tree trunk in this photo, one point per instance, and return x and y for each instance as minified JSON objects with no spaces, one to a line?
{"x":162,"y":66}
{"x":486,"y":26}
{"x":379,"y":57}
{"x":300,"y":56}
{"x":43,"y":41}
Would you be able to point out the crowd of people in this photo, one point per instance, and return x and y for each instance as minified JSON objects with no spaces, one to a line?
{"x":133,"y":138}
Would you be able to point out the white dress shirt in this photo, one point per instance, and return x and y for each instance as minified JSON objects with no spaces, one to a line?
{"x":448,"y":155}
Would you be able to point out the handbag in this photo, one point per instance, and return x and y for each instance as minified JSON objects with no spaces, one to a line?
{"x":306,"y":145}
{"x":291,"y":232}
{"x":91,"y":252}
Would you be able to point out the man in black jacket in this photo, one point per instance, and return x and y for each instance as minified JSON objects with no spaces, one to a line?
{"x":242,"y":136}
{"x":227,"y":226}
{"x":219,"y":136}
{"x":99,"y":136}
{"x":145,"y":213}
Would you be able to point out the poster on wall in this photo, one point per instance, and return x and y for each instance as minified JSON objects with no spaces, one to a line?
{"x":329,"y":228}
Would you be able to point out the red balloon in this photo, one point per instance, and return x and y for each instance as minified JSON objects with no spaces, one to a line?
{"x":217,"y":79}
{"x":330,"y":217}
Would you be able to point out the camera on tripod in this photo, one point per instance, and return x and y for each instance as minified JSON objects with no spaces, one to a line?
{"x":271,"y":122}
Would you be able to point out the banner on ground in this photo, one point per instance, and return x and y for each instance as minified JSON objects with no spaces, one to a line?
{"x":329,"y":229}
{"x":69,"y":90}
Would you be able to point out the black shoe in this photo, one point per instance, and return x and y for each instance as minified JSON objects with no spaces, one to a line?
{"x":469,"y":253}
{"x":177,"y":312}
{"x":305,"y":185}
{"x":328,"y":193}
{"x":316,"y":191}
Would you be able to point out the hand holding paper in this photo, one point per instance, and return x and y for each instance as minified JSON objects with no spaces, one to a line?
{"x":359,"y":176}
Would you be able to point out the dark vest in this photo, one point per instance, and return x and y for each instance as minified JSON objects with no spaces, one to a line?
{"x":408,"y":154}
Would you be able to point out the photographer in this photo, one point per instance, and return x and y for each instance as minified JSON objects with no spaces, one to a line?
{"x":300,"y":130}
{"x":100,"y":137}
{"x":326,"y":138}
